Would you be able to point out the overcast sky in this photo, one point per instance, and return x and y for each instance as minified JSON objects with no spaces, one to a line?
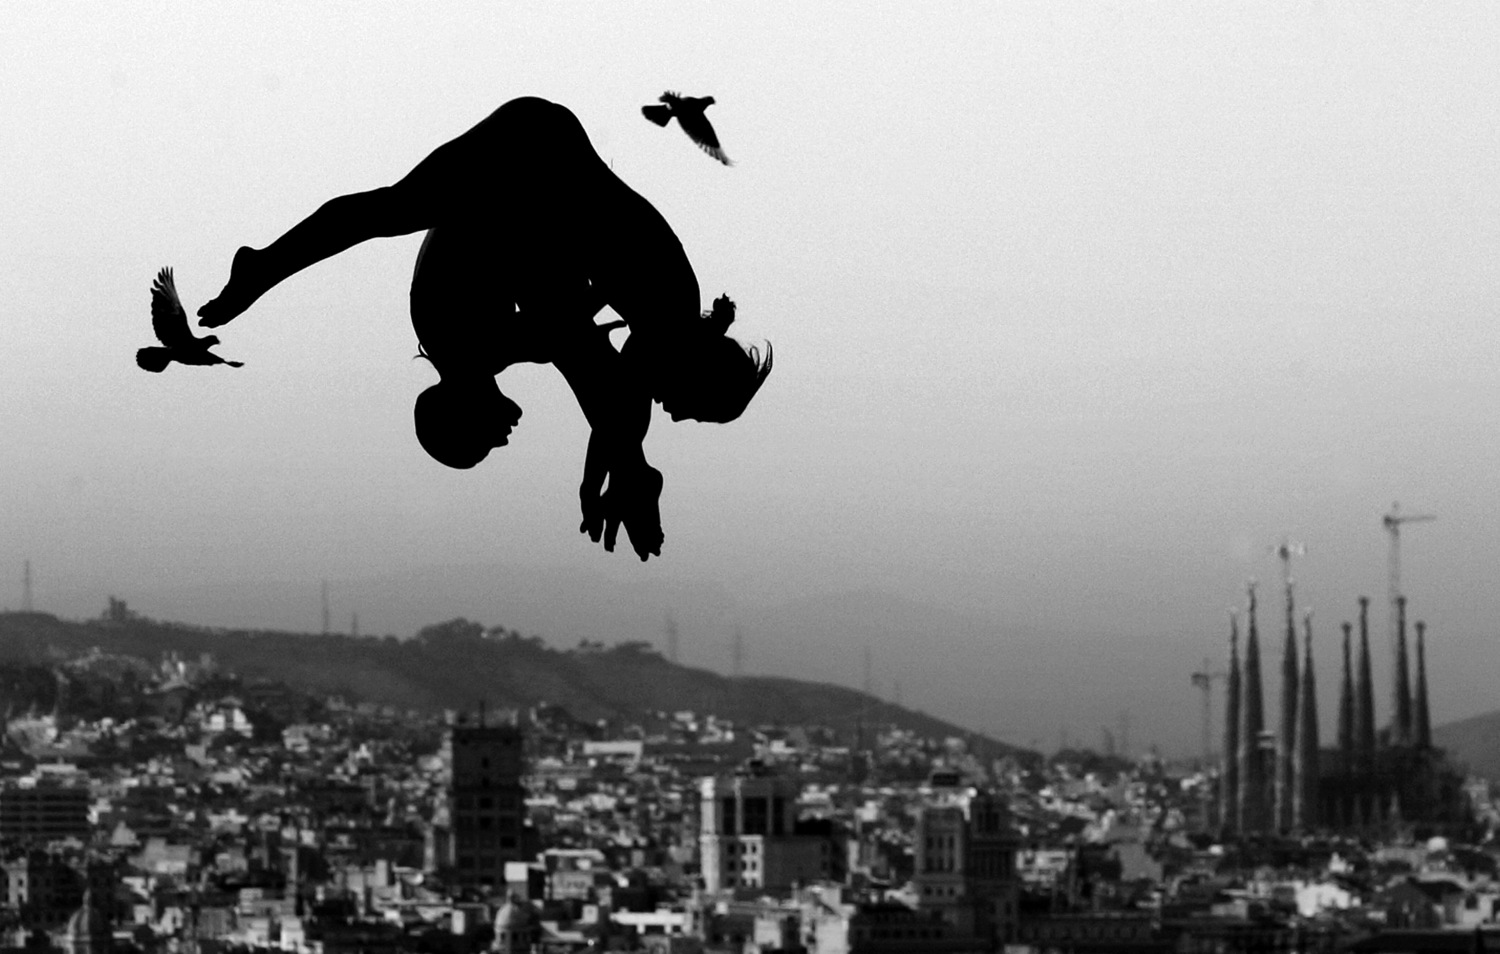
{"x":1077,"y":309}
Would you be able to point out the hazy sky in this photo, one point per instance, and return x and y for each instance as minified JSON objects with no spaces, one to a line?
{"x":1077,"y":308}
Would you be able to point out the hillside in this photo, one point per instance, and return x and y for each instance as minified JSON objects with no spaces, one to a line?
{"x":1474,"y":742}
{"x":459,"y":663}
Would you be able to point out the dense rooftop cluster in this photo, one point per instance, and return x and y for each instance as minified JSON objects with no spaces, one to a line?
{"x":168,"y":805}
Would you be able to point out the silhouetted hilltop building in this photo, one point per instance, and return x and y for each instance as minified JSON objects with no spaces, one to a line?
{"x":1369,"y":783}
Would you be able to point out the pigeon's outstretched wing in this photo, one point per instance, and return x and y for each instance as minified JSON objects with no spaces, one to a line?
{"x":689,"y":113}
{"x":698,"y":128}
{"x":168,"y":319}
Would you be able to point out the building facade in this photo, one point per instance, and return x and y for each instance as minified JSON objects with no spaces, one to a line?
{"x":486,"y":802}
{"x":966,"y":865}
{"x":37,"y":814}
{"x":749,"y":836}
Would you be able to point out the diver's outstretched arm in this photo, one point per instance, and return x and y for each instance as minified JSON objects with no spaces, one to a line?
{"x":619,"y":413}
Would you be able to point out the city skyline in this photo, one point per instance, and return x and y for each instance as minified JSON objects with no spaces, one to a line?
{"x":727,"y":652}
{"x":1077,"y":312}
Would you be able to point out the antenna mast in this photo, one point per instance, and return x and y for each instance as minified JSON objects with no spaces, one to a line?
{"x":672,"y":638}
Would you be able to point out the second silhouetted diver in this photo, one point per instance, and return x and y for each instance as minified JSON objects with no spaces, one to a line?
{"x":690,"y":116}
{"x":170,"y":322}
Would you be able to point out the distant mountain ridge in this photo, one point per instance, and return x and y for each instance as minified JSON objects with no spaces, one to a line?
{"x":459,"y":663}
{"x":1474,"y":741}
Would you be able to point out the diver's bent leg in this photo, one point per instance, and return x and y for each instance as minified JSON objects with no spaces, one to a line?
{"x":338,"y":224}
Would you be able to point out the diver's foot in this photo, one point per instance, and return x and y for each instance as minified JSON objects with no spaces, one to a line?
{"x":643,"y":519}
{"x":246,"y":284}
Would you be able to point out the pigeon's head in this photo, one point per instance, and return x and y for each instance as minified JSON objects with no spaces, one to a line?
{"x":208,"y":341}
{"x":696,"y":371}
{"x":459,"y":422}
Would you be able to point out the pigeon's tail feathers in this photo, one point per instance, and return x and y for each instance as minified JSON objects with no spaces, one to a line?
{"x":661,"y":115}
{"x":153,"y":359}
{"x":235,"y":364}
{"x":716,"y":152}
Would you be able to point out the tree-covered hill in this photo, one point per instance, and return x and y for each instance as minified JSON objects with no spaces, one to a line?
{"x":460,"y":664}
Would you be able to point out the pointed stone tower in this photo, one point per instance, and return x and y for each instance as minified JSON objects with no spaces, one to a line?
{"x":1229,"y":776}
{"x":1253,"y":807}
{"x":1364,"y":700}
{"x":1286,"y":747}
{"x":1367,"y":807}
{"x":1346,"y":711}
{"x":1422,"y":717}
{"x":1401,"y":719}
{"x":1305,"y":797}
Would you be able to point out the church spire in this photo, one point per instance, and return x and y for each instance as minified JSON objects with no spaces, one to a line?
{"x":1422,"y":729}
{"x":1252,"y":764}
{"x":1305,"y":777}
{"x":1401,"y":721}
{"x":1229,"y":777}
{"x":1287,"y":741}
{"x":1364,"y":702}
{"x":1346,"y":710}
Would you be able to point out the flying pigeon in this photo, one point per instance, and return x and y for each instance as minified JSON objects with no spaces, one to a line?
{"x":689,"y":113}
{"x":170,"y":322}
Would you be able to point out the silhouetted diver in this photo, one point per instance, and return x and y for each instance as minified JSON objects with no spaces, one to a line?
{"x":170,"y":322}
{"x":529,"y":235}
{"x":690,"y":116}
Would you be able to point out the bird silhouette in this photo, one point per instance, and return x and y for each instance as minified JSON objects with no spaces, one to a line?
{"x":689,"y":113}
{"x":170,"y":322}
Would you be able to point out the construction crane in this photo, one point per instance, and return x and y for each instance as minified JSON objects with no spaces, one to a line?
{"x":1203,"y":680}
{"x":1284,"y":551}
{"x":1393,"y":522}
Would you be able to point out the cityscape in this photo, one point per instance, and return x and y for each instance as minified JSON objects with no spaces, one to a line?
{"x":163,"y":802}
{"x":409,"y":548}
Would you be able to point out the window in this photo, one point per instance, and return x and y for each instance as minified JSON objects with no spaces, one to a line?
{"x":729,"y":815}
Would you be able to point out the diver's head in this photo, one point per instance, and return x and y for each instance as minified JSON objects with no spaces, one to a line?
{"x":696,"y":371}
{"x":459,"y":421}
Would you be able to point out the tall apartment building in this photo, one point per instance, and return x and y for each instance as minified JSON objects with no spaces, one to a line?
{"x":749,"y":836}
{"x":45,"y":812}
{"x":486,"y":802}
{"x":966,"y":864}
